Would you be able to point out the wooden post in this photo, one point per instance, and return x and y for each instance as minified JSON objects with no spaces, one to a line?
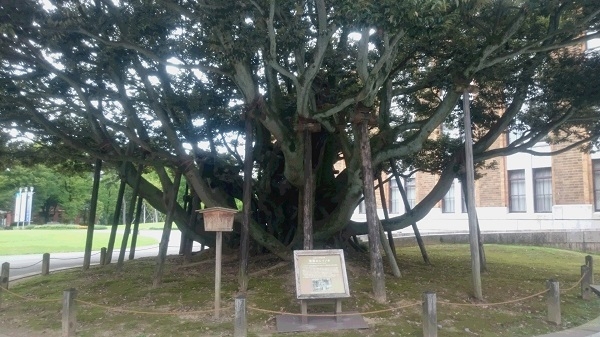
{"x":553,"y":301}
{"x":69,"y":318}
{"x":589,"y":262}
{"x":4,"y":275}
{"x":586,"y":291}
{"x":377,"y":274}
{"x":429,"y":314}
{"x":102,"y":256}
{"x":218,"y":247}
{"x":240,"y":328}
{"x":4,"y":279}
{"x":46,"y":264}
{"x":470,"y":168}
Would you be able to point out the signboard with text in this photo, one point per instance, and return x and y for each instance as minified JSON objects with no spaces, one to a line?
{"x":320,"y":274}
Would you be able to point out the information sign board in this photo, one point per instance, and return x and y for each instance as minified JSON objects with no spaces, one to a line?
{"x":320,"y":274}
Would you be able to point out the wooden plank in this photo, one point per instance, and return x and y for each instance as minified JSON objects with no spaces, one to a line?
{"x":595,"y":288}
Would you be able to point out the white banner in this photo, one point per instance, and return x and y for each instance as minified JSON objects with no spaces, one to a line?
{"x":17,"y":206}
{"x":28,"y":205}
{"x":23,"y":205}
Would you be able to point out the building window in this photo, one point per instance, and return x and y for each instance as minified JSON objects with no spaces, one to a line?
{"x":596,"y":168}
{"x":516,"y":186}
{"x":395,"y":197}
{"x":411,"y":191}
{"x":361,"y":207}
{"x":448,"y":201}
{"x":542,"y":190}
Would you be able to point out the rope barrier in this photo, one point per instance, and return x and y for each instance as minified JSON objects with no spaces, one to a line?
{"x":29,"y":298}
{"x":283,"y":312}
{"x":25,"y":267}
{"x":495,"y":303}
{"x":575,"y":285}
{"x":196,"y":312}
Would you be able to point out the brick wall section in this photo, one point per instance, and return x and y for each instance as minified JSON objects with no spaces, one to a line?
{"x":491,"y":188}
{"x":588,"y":179}
{"x":568,"y":177}
{"x":424,"y":184}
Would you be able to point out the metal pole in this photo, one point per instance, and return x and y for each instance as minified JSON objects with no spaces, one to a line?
{"x":218,"y":248}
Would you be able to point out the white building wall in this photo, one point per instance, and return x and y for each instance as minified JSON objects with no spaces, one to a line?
{"x":562,"y":217}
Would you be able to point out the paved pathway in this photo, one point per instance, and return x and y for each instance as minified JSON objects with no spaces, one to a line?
{"x":590,"y":329}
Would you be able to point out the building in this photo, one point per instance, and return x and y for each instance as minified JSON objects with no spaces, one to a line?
{"x":522,"y":192}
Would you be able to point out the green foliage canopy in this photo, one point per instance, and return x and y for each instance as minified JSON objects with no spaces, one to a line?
{"x":169,"y":83}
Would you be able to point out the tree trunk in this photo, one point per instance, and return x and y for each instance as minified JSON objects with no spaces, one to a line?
{"x":129,"y":217}
{"x":92,"y":217}
{"x":377,"y":275}
{"x":247,"y":210}
{"x":407,"y":209}
{"x":164,"y":241}
{"x":309,"y":193}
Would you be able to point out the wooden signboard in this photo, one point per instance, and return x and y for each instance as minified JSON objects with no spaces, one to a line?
{"x":320,"y":274}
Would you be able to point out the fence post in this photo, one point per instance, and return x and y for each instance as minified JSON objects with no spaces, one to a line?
{"x":69,"y":318}
{"x":589,"y":262}
{"x":586,"y":275}
{"x":46,"y":264}
{"x":553,"y":301}
{"x":4,"y":275}
{"x":240,"y":328}
{"x":102,"y":256}
{"x":4,"y":278}
{"x":429,"y":314}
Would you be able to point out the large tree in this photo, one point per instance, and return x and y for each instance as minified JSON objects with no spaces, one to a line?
{"x":168,"y":83}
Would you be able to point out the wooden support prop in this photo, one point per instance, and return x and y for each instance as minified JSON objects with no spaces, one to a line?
{"x":46,"y":264}
{"x":589,"y":261}
{"x":87,"y":254}
{"x":102,"y":256}
{"x":218,"y":248}
{"x":553,"y":301}
{"x":429,"y":314}
{"x":69,"y":317}
{"x":240,"y":328}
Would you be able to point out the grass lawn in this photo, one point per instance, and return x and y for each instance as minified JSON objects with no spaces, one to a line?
{"x":39,"y":241}
{"x":514,"y":272}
